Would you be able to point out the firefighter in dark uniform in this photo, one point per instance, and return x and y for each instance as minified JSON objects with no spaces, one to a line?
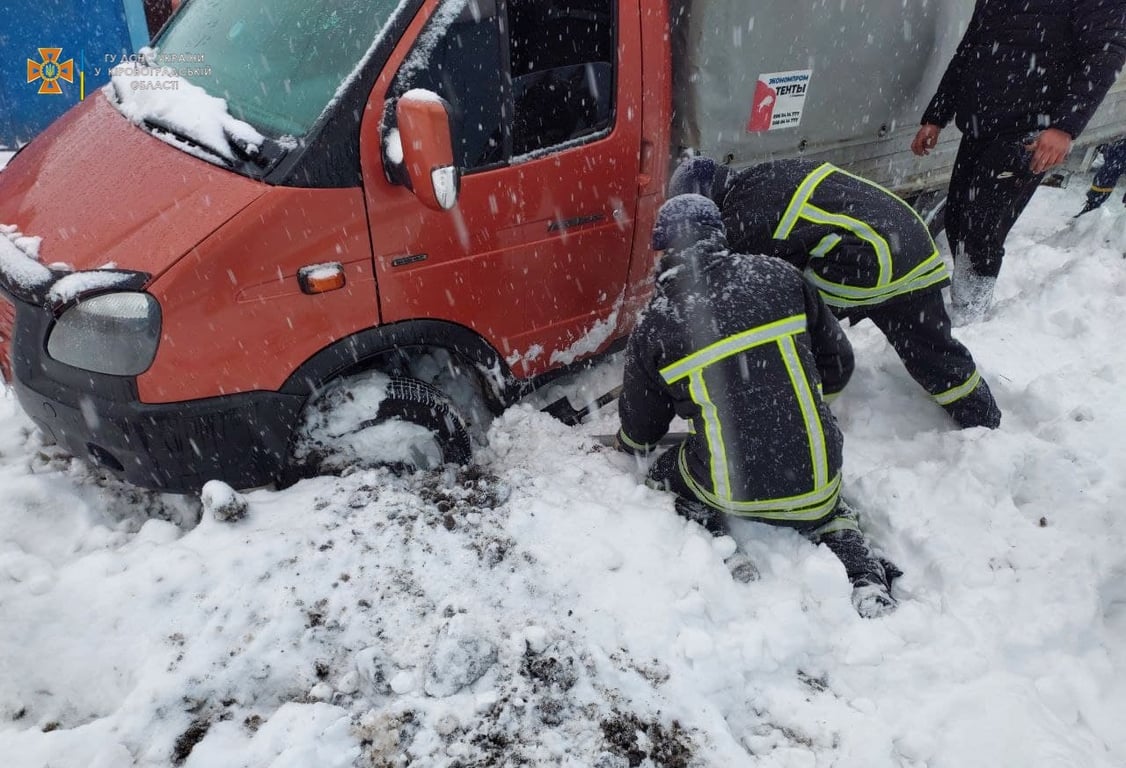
{"x":1024,"y":82}
{"x":744,"y":348}
{"x":868,"y":253}
{"x":1102,"y":186}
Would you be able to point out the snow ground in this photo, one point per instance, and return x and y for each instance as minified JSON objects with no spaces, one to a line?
{"x":546,"y":609}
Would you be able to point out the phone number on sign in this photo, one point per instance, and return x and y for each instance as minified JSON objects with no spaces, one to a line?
{"x":155,"y":85}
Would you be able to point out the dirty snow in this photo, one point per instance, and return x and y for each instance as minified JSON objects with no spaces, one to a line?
{"x":546,"y":609}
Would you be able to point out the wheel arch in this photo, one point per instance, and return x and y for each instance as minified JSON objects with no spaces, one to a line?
{"x":365,"y":350}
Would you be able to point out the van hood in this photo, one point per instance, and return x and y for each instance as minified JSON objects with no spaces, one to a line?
{"x":101,"y":192}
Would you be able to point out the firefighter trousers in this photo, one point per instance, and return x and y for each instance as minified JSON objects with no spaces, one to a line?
{"x":918,"y":329}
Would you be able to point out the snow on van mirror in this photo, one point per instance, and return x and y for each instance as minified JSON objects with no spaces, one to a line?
{"x":423,"y":94}
{"x":393,"y":146}
{"x":181,"y":113}
{"x":68,"y":288}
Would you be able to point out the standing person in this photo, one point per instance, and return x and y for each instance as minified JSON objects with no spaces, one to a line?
{"x":1114,"y":165}
{"x":743,"y":347}
{"x":1024,"y":81}
{"x":868,"y":253}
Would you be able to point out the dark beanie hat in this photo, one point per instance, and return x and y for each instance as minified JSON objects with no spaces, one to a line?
{"x":684,"y":221}
{"x":694,"y":175}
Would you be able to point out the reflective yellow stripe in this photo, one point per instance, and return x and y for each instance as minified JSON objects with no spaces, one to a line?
{"x":837,"y":295}
{"x":1102,"y":190}
{"x":955,"y":394}
{"x":633,"y":443}
{"x":838,"y":523}
{"x":800,"y":198}
{"x":861,"y":230}
{"x":733,"y":345}
{"x":818,"y":456}
{"x":694,"y":367}
{"x":828,"y":243}
{"x":813,"y":505}
{"x":926,"y":274}
{"x":713,"y":433}
{"x":887,"y":191}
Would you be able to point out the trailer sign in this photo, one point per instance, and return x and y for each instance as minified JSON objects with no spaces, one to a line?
{"x":778,"y":101}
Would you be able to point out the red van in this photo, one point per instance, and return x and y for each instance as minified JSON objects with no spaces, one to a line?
{"x":438,"y":190}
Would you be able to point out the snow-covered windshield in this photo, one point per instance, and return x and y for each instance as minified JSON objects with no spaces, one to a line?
{"x":277,"y":64}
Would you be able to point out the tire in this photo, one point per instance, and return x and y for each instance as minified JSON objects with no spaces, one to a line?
{"x":415,"y":426}
{"x":931,"y":206}
{"x":419,"y":403}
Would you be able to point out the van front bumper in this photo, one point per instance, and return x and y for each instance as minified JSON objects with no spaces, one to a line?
{"x":242,"y":439}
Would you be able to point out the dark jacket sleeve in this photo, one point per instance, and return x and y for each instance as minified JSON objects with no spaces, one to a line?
{"x":645,"y":406}
{"x":942,"y":107}
{"x":832,"y":351}
{"x":1100,"y":48}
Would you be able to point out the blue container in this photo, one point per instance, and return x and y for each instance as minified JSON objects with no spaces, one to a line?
{"x":93,"y":35}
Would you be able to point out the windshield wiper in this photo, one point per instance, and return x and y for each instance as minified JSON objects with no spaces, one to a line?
{"x":156,"y":124}
{"x":265,"y":154}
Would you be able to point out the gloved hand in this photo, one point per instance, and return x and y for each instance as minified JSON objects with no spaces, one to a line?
{"x":891,"y":570}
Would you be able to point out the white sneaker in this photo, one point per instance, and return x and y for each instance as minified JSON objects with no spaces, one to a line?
{"x":971,"y":294}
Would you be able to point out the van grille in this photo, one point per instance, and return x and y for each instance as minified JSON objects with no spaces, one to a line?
{"x":7,"y":320}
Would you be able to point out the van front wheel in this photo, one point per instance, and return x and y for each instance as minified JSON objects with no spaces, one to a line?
{"x":372,"y":419}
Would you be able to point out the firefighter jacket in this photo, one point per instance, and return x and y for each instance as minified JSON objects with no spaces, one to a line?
{"x":1114,"y":165}
{"x":856,"y":241}
{"x":743,"y":348}
{"x":1025,"y":65}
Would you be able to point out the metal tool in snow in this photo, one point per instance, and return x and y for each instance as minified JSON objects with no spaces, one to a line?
{"x":672,"y":438}
{"x":563,"y":410}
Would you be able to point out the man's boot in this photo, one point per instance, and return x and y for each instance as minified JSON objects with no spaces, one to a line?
{"x":970,"y":293}
{"x":977,"y":409}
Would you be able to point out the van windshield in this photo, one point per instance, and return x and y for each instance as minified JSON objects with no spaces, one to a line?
{"x":277,"y":64}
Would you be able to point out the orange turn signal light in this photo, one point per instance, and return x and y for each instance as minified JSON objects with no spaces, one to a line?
{"x":321,"y":278}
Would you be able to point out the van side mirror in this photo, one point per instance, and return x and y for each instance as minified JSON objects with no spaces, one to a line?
{"x":428,"y":149}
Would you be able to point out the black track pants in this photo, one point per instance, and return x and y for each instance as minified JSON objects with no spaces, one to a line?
{"x":990,"y":186}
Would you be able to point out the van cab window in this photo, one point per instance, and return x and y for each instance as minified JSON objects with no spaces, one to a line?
{"x":520,"y":75}
{"x":562,"y":55}
{"x":277,"y":64}
{"x":458,"y":56}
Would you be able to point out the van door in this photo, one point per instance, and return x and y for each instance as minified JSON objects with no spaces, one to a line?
{"x":544,"y":98}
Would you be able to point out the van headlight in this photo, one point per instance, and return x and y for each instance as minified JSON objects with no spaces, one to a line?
{"x":114,"y":333}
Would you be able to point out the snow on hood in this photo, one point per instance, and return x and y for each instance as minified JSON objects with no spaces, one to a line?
{"x":155,"y":94}
{"x":19,"y":260}
{"x":98,"y":190}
